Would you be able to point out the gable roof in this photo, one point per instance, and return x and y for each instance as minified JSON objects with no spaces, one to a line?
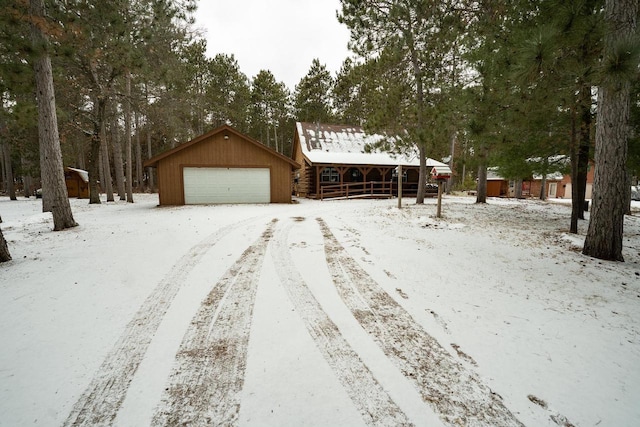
{"x":153,"y":162}
{"x":83,"y":174}
{"x":345,"y":144}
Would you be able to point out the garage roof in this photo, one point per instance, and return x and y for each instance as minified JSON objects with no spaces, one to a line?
{"x":153,"y":162}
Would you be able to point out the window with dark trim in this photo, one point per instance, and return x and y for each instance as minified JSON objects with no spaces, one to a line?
{"x":329,"y":174}
{"x":394,"y":175}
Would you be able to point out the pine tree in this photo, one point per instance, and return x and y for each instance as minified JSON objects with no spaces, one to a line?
{"x":228,"y":93}
{"x":54,"y":189}
{"x":350,"y":91}
{"x":419,"y":36}
{"x":312,"y":100}
{"x":269,"y":108}
{"x":610,"y":188}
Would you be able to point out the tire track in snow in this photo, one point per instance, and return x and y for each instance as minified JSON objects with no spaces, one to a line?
{"x":456,"y":393}
{"x":373,"y":402}
{"x":101,"y":400}
{"x":206,"y":381}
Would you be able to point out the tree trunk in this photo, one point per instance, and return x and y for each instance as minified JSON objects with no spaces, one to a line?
{"x":95,"y":163}
{"x":420,"y":105}
{"x":28,"y":185}
{"x":581,"y":143}
{"x":106,"y":165}
{"x":543,"y":187}
{"x":481,"y":196}
{"x":116,"y":146}
{"x":101,"y":168}
{"x":54,"y":188}
{"x":150,"y":169}
{"x":275,"y":136}
{"x":451,"y":180}
{"x":422,"y":175}
{"x":4,"y":249}
{"x":573,"y":153}
{"x":127,"y":139}
{"x":6,"y":155}
{"x":518,"y":189}
{"x":80,"y":159}
{"x":627,"y":198}
{"x":3,"y":173}
{"x":584,"y":146}
{"x":139,"y":184}
{"x":604,"y":236}
{"x":5,"y":161}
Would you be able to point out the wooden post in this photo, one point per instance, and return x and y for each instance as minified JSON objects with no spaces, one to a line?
{"x":440,"y":185}
{"x":399,"y":186}
{"x":318,"y":172}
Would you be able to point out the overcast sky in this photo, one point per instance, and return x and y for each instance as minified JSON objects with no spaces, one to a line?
{"x":282,"y":36}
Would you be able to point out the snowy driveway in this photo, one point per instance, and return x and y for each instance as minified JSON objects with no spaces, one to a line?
{"x":271,"y":315}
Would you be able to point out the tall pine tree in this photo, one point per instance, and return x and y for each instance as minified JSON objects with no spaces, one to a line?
{"x":54,"y":189}
{"x":312,"y":97}
{"x":620,"y":66}
{"x":413,"y":40}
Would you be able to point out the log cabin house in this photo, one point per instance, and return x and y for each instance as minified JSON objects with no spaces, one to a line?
{"x":342,"y":161}
{"x":223,"y":166}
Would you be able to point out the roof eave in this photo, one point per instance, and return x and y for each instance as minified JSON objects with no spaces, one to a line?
{"x":153,"y":161}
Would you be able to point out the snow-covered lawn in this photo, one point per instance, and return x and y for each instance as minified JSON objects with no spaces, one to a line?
{"x":316,"y":313}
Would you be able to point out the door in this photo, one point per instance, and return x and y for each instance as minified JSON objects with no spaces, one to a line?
{"x":226,"y":185}
{"x":553,"y":189}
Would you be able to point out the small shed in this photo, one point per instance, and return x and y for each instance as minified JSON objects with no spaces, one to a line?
{"x":77,"y":181}
{"x":223,"y":166}
{"x":497,"y":186}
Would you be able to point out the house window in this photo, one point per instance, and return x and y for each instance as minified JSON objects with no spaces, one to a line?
{"x":394,"y":175}
{"x":329,"y":174}
{"x":355,"y":174}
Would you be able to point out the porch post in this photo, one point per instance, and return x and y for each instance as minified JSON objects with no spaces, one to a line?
{"x":399,"y":186}
{"x":318,"y":171}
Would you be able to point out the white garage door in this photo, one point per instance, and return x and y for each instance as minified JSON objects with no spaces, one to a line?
{"x":226,"y":185}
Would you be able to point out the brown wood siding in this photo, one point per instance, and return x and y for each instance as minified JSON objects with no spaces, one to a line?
{"x":537,"y":185}
{"x":302,"y":188}
{"x":76,"y":187}
{"x":216,"y":151}
{"x":494,"y":188}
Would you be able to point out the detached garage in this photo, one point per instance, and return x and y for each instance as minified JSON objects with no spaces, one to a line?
{"x":223,"y":166}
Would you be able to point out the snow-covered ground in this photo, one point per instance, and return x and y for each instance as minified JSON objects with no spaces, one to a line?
{"x":316,"y":313}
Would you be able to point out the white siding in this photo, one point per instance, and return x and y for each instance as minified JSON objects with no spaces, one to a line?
{"x":226,"y":185}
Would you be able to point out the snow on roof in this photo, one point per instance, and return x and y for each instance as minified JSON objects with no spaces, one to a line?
{"x":493,"y":175}
{"x":553,"y":176}
{"x":322,"y":143}
{"x":83,"y":173}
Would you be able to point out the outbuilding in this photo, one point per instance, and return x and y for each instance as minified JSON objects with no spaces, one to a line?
{"x":223,"y":166}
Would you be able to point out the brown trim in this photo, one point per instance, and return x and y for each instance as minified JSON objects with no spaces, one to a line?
{"x":319,"y":169}
{"x":153,"y":162}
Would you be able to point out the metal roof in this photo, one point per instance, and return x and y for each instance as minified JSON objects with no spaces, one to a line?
{"x":346,"y":144}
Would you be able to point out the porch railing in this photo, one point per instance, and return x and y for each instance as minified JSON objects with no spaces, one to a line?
{"x":357,"y":189}
{"x":370,"y":189}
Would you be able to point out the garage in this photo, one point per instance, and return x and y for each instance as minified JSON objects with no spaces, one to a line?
{"x":223,"y":166}
{"x":226,"y":185}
